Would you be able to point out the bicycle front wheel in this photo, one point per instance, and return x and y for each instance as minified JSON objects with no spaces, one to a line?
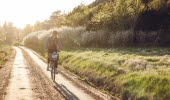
{"x":54,"y":71}
{"x":51,"y":66}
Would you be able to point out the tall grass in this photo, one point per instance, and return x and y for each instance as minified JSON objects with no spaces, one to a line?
{"x":130,"y":74}
{"x":69,"y":36}
{"x":79,"y":37}
{"x":5,"y":52}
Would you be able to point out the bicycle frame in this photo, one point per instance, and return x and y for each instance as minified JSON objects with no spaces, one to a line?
{"x":52,"y":65}
{"x":53,"y":61}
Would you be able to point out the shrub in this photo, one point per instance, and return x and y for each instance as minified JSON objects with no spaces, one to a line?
{"x":122,"y":38}
{"x":79,"y":37}
{"x":69,"y":37}
{"x":94,"y":39}
{"x":16,"y":43}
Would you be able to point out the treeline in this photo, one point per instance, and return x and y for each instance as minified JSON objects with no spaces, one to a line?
{"x":116,"y":14}
{"x":148,"y":20}
{"x":122,"y":22}
{"x":8,"y":33}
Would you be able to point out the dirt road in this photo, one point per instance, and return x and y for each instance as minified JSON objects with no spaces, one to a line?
{"x":30,"y":81}
{"x":19,"y":82}
{"x":26,"y":82}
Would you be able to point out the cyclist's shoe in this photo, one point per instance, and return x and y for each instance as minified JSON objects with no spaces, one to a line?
{"x":48,"y":69}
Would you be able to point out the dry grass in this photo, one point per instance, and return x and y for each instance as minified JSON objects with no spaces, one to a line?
{"x":135,"y":64}
{"x":126,"y":73}
{"x":5,"y":52}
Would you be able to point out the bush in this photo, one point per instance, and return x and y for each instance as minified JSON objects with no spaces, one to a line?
{"x":122,"y":38}
{"x":69,"y":37}
{"x":79,"y":37}
{"x":94,"y":39}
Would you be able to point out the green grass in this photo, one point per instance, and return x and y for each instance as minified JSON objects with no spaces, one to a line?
{"x":5,"y":52}
{"x":126,"y":73}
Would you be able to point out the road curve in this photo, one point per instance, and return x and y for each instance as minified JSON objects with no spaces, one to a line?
{"x":65,"y":86}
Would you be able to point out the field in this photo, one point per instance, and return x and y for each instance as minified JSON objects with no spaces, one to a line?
{"x":5,"y":52}
{"x":126,"y":73}
{"x":141,"y":73}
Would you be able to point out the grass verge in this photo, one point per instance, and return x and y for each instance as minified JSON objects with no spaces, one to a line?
{"x":131,"y":73}
{"x":126,"y":73}
{"x":5,"y":52}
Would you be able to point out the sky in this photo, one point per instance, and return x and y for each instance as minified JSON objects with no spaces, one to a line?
{"x":22,"y":12}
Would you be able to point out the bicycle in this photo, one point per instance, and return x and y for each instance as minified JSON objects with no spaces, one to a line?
{"x":53,"y":64}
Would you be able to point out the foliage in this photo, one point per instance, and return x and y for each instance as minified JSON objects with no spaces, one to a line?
{"x":25,"y":31}
{"x":79,"y":37}
{"x":117,"y":22}
{"x":114,"y":15}
{"x":5,"y":52}
{"x":8,"y":32}
{"x":128,"y":73}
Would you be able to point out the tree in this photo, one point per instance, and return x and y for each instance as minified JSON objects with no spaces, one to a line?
{"x":146,"y":2}
{"x":27,"y":30}
{"x":56,"y":19}
{"x":37,"y":26}
{"x":9,"y":32}
{"x":1,"y":35}
{"x":46,"y":25}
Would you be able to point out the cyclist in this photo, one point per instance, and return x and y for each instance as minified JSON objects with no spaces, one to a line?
{"x":52,"y":45}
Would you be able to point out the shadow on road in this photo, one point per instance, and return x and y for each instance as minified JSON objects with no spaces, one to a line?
{"x":65,"y":92}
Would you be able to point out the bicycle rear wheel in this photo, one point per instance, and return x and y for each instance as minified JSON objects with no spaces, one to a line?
{"x":54,"y":72}
{"x":51,"y":66}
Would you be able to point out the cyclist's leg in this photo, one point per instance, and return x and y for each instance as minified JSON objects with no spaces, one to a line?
{"x":56,"y":66}
{"x":48,"y":60}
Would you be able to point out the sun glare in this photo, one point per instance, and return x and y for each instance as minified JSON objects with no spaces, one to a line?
{"x":22,"y":12}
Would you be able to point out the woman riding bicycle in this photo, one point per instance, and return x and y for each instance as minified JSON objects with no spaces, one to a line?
{"x":53,"y":44}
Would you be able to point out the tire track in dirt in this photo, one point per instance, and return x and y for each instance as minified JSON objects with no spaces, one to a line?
{"x":91,"y":90}
{"x":42,"y":87}
{"x":68,"y":88}
{"x":19,"y":85}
